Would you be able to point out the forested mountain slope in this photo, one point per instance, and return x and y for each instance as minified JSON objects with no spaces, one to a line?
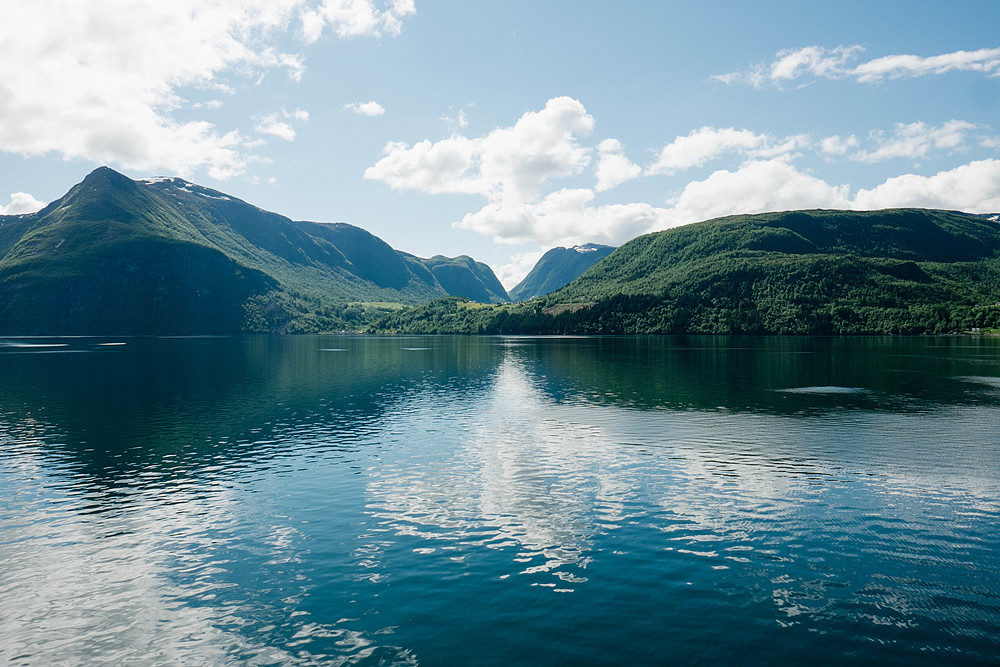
{"x":558,"y":267}
{"x":797,"y":272}
{"x":116,"y":255}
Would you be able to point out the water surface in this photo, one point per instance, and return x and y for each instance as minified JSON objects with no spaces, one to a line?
{"x":434,"y":500}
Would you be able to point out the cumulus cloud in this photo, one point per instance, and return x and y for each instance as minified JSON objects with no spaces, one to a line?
{"x":443,"y":166}
{"x":709,"y":143}
{"x":760,"y":186}
{"x":569,"y":216}
{"x":757,"y":186}
{"x":703,"y":145}
{"x":973,"y":188}
{"x":369,"y":109}
{"x":103,"y":79}
{"x":613,"y":168}
{"x":564,"y":217}
{"x":516,"y":170}
{"x":513,"y":167}
{"x":20,"y":203}
{"x":916,"y":140}
{"x":841,"y":63}
{"x":510,"y":166}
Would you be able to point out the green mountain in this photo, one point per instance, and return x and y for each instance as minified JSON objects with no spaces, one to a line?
{"x":558,"y":267}
{"x":120,"y":256}
{"x":799,"y":272}
{"x":464,"y":277}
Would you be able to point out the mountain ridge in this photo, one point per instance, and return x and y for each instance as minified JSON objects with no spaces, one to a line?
{"x":162,"y":255}
{"x":899,"y":271}
{"x":113,"y":240}
{"x":557,"y":268}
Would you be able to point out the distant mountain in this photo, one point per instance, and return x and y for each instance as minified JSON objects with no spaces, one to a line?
{"x":164,"y":255}
{"x":557,"y":268}
{"x":464,"y":277}
{"x":901,"y":271}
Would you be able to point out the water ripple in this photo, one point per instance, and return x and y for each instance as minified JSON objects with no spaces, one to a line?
{"x":499,"y":511}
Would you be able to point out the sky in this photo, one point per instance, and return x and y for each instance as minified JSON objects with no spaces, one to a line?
{"x":502,"y":129}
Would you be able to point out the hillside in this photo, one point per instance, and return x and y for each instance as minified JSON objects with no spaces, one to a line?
{"x":464,"y":277}
{"x":800,"y":272}
{"x":557,"y":268}
{"x":163,"y":255}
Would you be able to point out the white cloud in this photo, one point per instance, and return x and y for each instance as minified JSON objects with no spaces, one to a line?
{"x":568,"y":216}
{"x":973,"y":188}
{"x":703,"y":145}
{"x":515,"y":170}
{"x":837,"y":145}
{"x":444,"y":166}
{"x":795,"y":63}
{"x":275,"y":124}
{"x":520,"y":265}
{"x":916,"y":140}
{"x":710,"y":143}
{"x":910,"y":140}
{"x":564,"y":217}
{"x":353,"y":18}
{"x":370,"y":109}
{"x":814,"y":60}
{"x":613,"y":168}
{"x":757,"y":186}
{"x":511,"y":165}
{"x":210,"y":104}
{"x":100,"y":80}
{"x":280,"y":129}
{"x":21,"y":202}
{"x":838,"y":63}
{"x":986,"y":61}
{"x":459,"y":122}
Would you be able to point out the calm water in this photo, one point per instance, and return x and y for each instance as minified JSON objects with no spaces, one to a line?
{"x":499,"y":501}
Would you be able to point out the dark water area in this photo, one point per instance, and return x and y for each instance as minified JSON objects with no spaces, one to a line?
{"x":499,"y":500}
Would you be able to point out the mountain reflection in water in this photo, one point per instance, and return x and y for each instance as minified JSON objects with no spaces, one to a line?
{"x":499,"y":500}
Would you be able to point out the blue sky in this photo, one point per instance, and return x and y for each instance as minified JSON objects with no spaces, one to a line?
{"x":502,"y":129}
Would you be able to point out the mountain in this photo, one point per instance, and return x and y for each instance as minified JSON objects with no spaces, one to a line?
{"x":164,"y":255}
{"x":558,"y":267}
{"x":902,"y":271}
{"x":464,"y":277}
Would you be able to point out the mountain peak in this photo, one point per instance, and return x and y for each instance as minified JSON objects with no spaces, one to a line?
{"x":163,"y":255}
{"x":558,"y":267}
{"x":105,"y":173}
{"x":106,"y":178}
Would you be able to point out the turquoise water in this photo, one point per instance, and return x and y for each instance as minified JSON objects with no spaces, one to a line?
{"x":499,"y":501}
